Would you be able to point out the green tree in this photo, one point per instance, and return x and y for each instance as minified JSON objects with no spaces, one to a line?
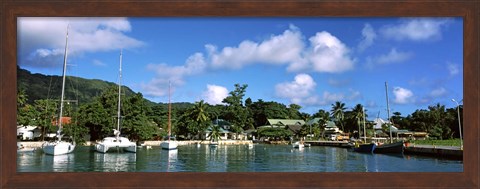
{"x":100,"y":116}
{"x":215,"y":133}
{"x":276,"y":133}
{"x":337,"y":111}
{"x":261,"y":111}
{"x":22,"y":98}
{"x":236,"y":113}
{"x":358,"y":116}
{"x":74,"y":130}
{"x":438,"y":121}
{"x":197,"y":118}
{"x":95,"y":117}
{"x":294,"y":111}
{"x":135,"y":122}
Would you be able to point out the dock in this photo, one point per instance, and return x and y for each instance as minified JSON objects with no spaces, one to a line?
{"x":454,"y":152}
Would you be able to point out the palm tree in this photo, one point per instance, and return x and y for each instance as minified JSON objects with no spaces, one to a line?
{"x":199,"y":112}
{"x":358,"y":115}
{"x":215,"y":134}
{"x":200,"y":115}
{"x":338,"y":112}
{"x":21,"y":98}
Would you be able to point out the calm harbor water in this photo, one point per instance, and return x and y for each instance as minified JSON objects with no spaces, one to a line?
{"x":232,"y":158}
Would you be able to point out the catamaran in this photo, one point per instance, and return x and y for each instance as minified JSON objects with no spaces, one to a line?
{"x":59,"y":147}
{"x":117,"y":142}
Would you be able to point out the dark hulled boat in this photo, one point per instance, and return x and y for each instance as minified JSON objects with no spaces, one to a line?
{"x":392,"y":148}
{"x":365,"y":148}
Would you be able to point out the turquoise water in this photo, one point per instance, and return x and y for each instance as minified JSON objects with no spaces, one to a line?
{"x":232,"y":158}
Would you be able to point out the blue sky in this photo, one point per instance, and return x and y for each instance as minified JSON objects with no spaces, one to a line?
{"x":312,"y":62}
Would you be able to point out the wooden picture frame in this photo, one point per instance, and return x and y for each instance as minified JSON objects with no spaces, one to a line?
{"x":11,"y":9}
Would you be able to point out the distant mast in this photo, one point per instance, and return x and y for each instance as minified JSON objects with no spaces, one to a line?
{"x":169,"y":111}
{"x":388,"y":112}
{"x":364,"y":129}
{"x":119,"y":91}
{"x":63,"y":87}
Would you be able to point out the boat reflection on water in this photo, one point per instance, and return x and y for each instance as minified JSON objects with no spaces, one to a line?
{"x":115,"y":162}
{"x":169,"y":159}
{"x":61,"y":163}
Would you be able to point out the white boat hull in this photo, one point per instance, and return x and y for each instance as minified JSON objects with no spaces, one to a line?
{"x":58,"y":148}
{"x":112,"y":144}
{"x":298,"y":145}
{"x":169,"y":145}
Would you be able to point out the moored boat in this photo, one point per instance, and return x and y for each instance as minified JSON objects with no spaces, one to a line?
{"x":298,"y":145}
{"x":391,"y":148}
{"x":365,"y":148}
{"x":117,"y":142}
{"x":60,"y":147}
{"x":169,"y":144}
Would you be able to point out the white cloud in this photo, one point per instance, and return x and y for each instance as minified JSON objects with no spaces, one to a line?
{"x":416,"y":29}
{"x":98,"y":63}
{"x":158,"y":86}
{"x":215,"y":94}
{"x":368,"y":36}
{"x":297,"y":90}
{"x":278,"y":49}
{"x":302,"y":91}
{"x":371,"y":104}
{"x":453,"y":69}
{"x":338,"y":82}
{"x":402,"y":95}
{"x":326,"y":54}
{"x":439,"y":92}
{"x":354,"y":95}
{"x":42,"y":40}
{"x":393,"y":56}
{"x":331,"y":97}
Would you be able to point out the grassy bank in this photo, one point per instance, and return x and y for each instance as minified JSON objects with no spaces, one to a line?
{"x":449,"y":142}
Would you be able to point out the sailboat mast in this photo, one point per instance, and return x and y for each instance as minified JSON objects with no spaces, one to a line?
{"x":63,"y":84}
{"x":119,"y":91}
{"x":169,"y":111}
{"x":388,"y":112}
{"x":364,"y":130}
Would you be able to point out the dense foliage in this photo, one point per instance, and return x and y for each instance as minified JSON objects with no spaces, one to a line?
{"x":141,"y":119}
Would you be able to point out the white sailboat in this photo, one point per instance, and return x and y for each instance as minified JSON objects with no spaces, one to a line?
{"x":170,"y":143}
{"x":117,"y":142}
{"x":59,"y":147}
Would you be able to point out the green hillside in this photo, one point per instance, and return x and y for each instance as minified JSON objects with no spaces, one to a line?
{"x":39,"y":86}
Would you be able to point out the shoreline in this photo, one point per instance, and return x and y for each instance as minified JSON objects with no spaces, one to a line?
{"x":38,"y":144}
{"x":422,"y":150}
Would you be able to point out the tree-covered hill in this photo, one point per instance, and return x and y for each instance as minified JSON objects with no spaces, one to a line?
{"x":39,"y":86}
